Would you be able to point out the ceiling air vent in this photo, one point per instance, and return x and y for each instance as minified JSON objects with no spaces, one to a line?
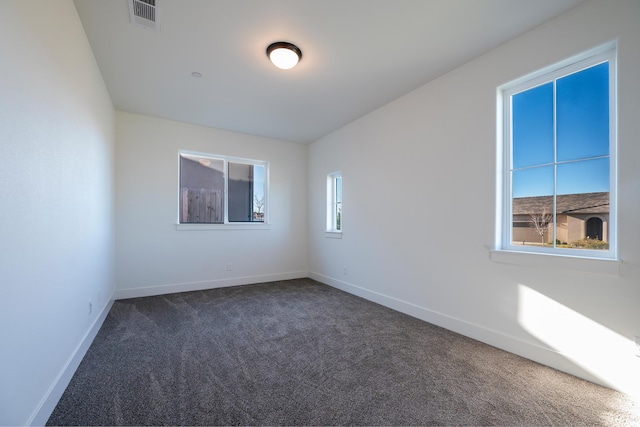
{"x":144,"y":13}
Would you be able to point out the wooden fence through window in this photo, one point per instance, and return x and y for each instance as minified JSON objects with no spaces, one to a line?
{"x":201,"y":205}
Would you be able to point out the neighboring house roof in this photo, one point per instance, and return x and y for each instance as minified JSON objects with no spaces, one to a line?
{"x":567,"y":204}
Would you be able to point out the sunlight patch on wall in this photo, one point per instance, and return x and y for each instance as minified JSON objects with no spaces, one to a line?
{"x":604,"y":353}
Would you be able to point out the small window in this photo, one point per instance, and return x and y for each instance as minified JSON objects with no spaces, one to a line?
{"x":559,"y":168}
{"x":334,"y":202}
{"x":220,"y":190}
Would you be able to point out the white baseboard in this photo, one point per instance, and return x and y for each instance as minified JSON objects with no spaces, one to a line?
{"x":208,"y":284}
{"x":53,"y":395}
{"x":528,"y":350}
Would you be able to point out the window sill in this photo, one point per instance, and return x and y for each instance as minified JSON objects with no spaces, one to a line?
{"x":333,"y":234}
{"x":609,"y":267}
{"x":223,"y":227}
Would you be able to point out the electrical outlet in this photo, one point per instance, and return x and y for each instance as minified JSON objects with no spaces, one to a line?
{"x":229,"y":267}
{"x":344,"y":270}
{"x":636,"y":344}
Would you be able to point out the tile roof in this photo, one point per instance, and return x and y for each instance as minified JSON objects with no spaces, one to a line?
{"x":565,"y":203}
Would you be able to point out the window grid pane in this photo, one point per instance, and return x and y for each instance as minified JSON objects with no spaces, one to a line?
{"x":201,"y":190}
{"x":220,"y":190}
{"x":560,"y":162}
{"x":583,"y":114}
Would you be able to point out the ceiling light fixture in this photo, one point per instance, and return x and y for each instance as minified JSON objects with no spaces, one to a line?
{"x":284,"y":55}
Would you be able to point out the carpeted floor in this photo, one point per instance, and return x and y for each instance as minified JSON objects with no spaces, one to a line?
{"x":301,"y":353}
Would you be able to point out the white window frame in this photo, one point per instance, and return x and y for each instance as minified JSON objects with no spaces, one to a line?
{"x":503,"y":237}
{"x":227,"y":225}
{"x":332,"y":229}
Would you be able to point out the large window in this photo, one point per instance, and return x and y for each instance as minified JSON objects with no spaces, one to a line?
{"x":559,"y":170}
{"x":334,"y":202}
{"x":219,"y":189}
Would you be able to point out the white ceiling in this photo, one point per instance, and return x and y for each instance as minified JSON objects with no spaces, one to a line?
{"x":357,"y":55}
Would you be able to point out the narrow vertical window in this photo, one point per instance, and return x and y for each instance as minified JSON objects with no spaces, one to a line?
{"x":559,"y":164}
{"x":334,"y":202}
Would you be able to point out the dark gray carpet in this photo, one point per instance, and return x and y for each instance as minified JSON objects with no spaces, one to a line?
{"x":302,"y":353}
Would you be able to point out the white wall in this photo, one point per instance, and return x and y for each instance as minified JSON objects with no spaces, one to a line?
{"x":419,"y":205}
{"x":153,"y":257}
{"x":56,"y":215}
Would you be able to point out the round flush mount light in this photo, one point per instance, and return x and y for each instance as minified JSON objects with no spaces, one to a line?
{"x":284,"y":55}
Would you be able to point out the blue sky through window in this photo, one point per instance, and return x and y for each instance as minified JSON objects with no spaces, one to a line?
{"x":581,"y":135}
{"x":533,"y":126}
{"x":583,"y":114}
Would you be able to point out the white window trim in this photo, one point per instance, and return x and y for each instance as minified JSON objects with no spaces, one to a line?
{"x":331,"y":231}
{"x":503,"y":250}
{"x":333,"y":234}
{"x":258,"y":225}
{"x":224,"y":227}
